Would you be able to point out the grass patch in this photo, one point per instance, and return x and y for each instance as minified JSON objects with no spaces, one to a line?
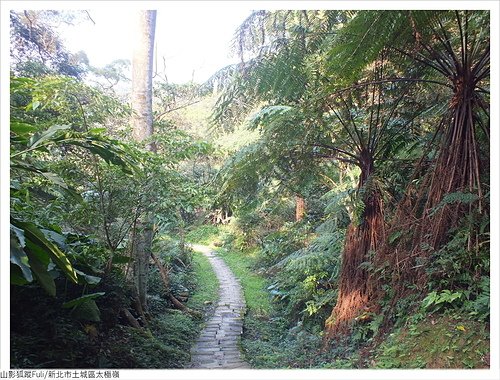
{"x":254,"y":285}
{"x":204,"y":234}
{"x":206,"y":284}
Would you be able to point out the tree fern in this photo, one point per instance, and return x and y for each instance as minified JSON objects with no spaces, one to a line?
{"x":360,"y":41}
{"x":323,"y":252}
{"x":266,"y":114}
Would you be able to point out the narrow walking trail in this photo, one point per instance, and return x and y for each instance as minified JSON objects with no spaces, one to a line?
{"x":217,"y":346}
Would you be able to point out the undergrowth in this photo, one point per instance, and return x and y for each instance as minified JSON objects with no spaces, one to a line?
{"x":442,"y":341}
{"x":446,"y":330}
{"x":45,"y":335}
{"x":206,"y":287}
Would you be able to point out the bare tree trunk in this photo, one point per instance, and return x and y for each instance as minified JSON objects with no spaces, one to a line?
{"x":142,"y":79}
{"x":166,"y":282}
{"x":300,"y":208}
{"x":143,"y":243}
{"x":130,"y":318}
{"x":142,"y":122}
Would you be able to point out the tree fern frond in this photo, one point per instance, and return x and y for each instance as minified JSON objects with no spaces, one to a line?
{"x":265,"y":114}
{"x":361,"y":40}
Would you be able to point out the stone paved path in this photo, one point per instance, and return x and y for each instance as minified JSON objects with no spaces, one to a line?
{"x":217,"y":346}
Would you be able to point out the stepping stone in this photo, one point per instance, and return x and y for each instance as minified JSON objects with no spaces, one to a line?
{"x":208,"y":350}
{"x":202,"y":339}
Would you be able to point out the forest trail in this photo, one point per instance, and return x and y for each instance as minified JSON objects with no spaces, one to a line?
{"x":217,"y":345}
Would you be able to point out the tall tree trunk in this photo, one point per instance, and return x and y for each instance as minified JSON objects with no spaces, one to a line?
{"x":142,"y":78}
{"x":142,"y":122}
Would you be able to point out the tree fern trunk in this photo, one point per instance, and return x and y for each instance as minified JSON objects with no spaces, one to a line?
{"x":460,"y":165}
{"x":361,"y":239}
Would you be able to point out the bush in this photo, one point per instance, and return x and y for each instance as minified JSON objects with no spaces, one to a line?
{"x":203,"y":234}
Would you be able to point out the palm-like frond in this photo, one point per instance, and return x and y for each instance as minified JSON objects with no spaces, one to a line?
{"x":276,"y":49}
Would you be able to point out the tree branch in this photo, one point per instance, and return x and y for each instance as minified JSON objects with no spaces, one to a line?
{"x":158,"y":117}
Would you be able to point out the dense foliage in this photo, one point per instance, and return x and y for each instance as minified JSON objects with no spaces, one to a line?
{"x":380,"y":121}
{"x":344,"y":179}
{"x":79,"y":185}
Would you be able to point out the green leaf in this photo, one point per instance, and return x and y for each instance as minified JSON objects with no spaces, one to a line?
{"x":19,"y":258}
{"x":429,"y":300}
{"x":395,"y":236}
{"x":87,"y":311}
{"x":120,"y":259}
{"x":97,"y":131}
{"x":456,"y":197}
{"x":54,"y":178}
{"x":108,"y":151}
{"x":35,"y":105}
{"x":266,"y":113}
{"x":39,"y":242}
{"x":55,"y":237}
{"x":21,"y":128}
{"x":41,"y":273}
{"x":19,"y":235}
{"x":87,"y":279}
{"x":17,"y":276}
{"x":39,"y":138}
{"x":17,"y":82}
{"x":63,"y":188}
{"x":80,"y":300}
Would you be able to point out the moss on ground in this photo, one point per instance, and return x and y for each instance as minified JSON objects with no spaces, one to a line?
{"x":445,"y":341}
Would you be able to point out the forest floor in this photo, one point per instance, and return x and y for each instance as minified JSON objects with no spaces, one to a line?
{"x":218,"y":344}
{"x":450,"y":339}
